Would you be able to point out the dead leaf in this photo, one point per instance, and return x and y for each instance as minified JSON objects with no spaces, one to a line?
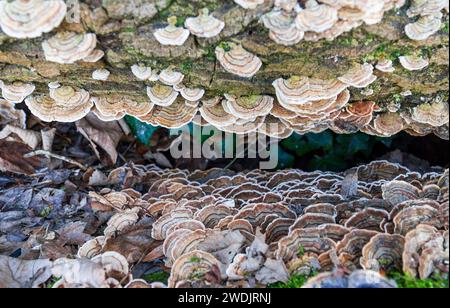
{"x":12,"y":160}
{"x":15,"y":273}
{"x":10,"y":115}
{"x":29,"y":137}
{"x":106,"y":135}
{"x":135,"y":242}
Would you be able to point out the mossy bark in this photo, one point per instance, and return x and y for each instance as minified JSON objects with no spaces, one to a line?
{"x":124,"y":30}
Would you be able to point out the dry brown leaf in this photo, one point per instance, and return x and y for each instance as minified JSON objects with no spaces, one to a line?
{"x":106,"y":135}
{"x":134,"y":243}
{"x":12,"y":160}
{"x":29,"y":137}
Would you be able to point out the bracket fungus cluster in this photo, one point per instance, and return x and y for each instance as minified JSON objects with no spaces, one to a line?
{"x":290,"y":22}
{"x":63,"y":104}
{"x":218,"y":228}
{"x":429,"y":19}
{"x":16,"y":92}
{"x":70,"y":47}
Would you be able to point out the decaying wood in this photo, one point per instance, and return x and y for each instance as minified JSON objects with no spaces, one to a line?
{"x":125,"y":32}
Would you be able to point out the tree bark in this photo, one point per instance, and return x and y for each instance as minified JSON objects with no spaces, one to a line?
{"x":125,"y":32}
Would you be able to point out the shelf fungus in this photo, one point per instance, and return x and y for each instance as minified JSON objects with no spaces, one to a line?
{"x":115,"y":107}
{"x":16,"y":92}
{"x":286,"y":5}
{"x":360,"y":76}
{"x":174,"y":116}
{"x":192,"y":95}
{"x":142,"y":72}
{"x":425,"y":27}
{"x":192,"y":267}
{"x":300,"y":90}
{"x":426,"y":252}
{"x":316,"y":17}
{"x":162,"y":95}
{"x":249,"y":4}
{"x":385,"y":66}
{"x":250,"y":107}
{"x":238,"y":61}
{"x":171,"y":77}
{"x":172,"y":35}
{"x":282,"y":28}
{"x":217,"y":115}
{"x":31,"y":18}
{"x":66,"y":105}
{"x":413,"y":63}
{"x":217,"y":227}
{"x":424,"y":8}
{"x":101,"y":74}
{"x":435,"y":114}
{"x":69,"y":47}
{"x":383,"y":253}
{"x":204,"y":25}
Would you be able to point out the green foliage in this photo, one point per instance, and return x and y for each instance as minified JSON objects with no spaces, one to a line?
{"x":295,"y":282}
{"x":157,"y":277}
{"x":301,"y":251}
{"x":407,"y":282}
{"x":52,"y":282}
{"x":225,"y":46}
{"x":45,"y":212}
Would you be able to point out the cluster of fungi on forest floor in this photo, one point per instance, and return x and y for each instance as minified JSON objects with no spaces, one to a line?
{"x":217,"y":228}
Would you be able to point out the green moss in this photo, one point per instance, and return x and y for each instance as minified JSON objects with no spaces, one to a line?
{"x":347,"y":42}
{"x":295,"y":282}
{"x":128,"y":29}
{"x":186,"y":67}
{"x":225,"y":46}
{"x":445,"y":29}
{"x":388,"y":51}
{"x":407,"y":282}
{"x":301,"y":251}
{"x":157,"y":277}
{"x":195,"y":260}
{"x":210,"y":54}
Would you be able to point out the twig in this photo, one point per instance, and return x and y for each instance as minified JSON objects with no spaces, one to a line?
{"x":55,"y":156}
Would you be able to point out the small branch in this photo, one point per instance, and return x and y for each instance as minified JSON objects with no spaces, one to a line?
{"x":55,"y":156}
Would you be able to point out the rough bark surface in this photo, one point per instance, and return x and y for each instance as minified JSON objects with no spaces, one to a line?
{"x":125,"y":32}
